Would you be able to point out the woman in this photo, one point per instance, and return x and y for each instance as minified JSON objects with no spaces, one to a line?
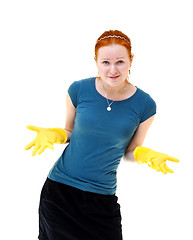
{"x":107,"y":118}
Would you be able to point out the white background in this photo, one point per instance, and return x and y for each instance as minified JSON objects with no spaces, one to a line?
{"x":44,"y":47}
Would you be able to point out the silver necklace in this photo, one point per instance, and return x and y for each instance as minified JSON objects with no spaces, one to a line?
{"x":109,"y":104}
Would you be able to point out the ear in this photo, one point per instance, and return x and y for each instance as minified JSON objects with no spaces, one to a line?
{"x":132,"y":56}
{"x":131,"y":59}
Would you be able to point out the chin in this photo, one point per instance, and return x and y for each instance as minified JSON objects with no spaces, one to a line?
{"x":115,"y":82}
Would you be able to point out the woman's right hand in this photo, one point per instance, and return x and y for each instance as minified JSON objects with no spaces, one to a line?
{"x":45,"y":138}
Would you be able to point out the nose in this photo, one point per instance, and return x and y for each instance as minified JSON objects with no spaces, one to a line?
{"x":113,"y":70}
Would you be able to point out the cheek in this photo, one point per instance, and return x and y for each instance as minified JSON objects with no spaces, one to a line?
{"x":103,"y":69}
{"x":124,"y":69}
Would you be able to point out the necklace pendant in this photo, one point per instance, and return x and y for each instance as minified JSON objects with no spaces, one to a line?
{"x":109,"y":108}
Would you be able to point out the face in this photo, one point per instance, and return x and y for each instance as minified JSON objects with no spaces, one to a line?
{"x":113,"y":63}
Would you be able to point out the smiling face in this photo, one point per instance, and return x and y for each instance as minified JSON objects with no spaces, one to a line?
{"x":113,"y":63}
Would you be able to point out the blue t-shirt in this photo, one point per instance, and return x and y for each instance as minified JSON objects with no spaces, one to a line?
{"x":99,"y":138}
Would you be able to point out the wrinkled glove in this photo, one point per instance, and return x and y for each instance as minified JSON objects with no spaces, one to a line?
{"x":45,"y":138}
{"x":154,"y":159}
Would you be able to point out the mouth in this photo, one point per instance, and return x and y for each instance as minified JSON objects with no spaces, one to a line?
{"x":114,"y":77}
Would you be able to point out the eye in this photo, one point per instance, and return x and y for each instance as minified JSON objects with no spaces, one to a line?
{"x":105,"y":62}
{"x":120,"y":62}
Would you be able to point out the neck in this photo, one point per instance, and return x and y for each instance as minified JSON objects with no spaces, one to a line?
{"x":114,"y":90}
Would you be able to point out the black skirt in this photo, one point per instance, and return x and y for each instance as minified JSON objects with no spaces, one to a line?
{"x":67,"y":213}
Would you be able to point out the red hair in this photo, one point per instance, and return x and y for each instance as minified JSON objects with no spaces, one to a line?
{"x":113,"y":37}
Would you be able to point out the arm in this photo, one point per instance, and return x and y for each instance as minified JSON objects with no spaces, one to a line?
{"x":70,"y":116}
{"x":138,"y":138}
{"x":155,"y":160}
{"x":46,"y":137}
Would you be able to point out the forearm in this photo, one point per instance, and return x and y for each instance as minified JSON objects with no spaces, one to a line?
{"x":69,"y":133}
{"x":128,"y":156}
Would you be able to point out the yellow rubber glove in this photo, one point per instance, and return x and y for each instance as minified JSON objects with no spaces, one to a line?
{"x":45,"y":138}
{"x":154,"y":159}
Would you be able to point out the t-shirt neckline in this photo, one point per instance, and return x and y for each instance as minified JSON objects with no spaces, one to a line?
{"x":101,"y":96}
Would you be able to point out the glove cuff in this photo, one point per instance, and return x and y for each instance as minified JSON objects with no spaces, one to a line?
{"x":138,"y":154}
{"x":62,"y":135}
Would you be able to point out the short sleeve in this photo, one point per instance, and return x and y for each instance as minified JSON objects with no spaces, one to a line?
{"x":73,"y":91}
{"x":149,"y":109}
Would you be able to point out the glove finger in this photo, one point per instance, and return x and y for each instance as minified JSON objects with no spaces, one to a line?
{"x":139,"y":161}
{"x":42,"y":149}
{"x":149,"y":163}
{"x":31,"y":144}
{"x":163,"y":168}
{"x":50,"y":145}
{"x":155,"y":166}
{"x":35,"y":150}
{"x":33,"y":128}
{"x":172,"y":159}
{"x":169,"y":170}
{"x":150,"y":160}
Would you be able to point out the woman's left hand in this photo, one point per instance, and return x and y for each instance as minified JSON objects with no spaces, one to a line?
{"x":154,"y":159}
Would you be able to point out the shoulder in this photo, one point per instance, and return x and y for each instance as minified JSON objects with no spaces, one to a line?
{"x":81,"y":82}
{"x":145,"y":97}
{"x":76,"y":85}
{"x":148,"y":105}
{"x":79,"y":87}
{"x":143,"y":93}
